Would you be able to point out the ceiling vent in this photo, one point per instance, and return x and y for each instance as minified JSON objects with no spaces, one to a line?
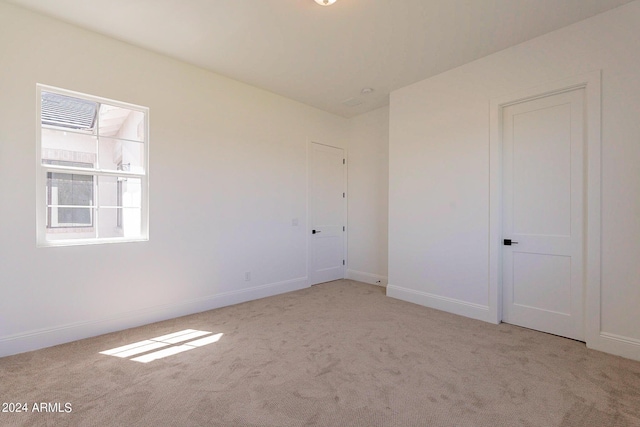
{"x":352,"y":102}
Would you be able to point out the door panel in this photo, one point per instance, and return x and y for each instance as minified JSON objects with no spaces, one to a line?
{"x":542,"y":282}
{"x":541,"y":178}
{"x":543,"y":203}
{"x":326,"y":213}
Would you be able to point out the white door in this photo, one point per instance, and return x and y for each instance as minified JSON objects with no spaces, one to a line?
{"x":543,"y":208}
{"x":327,"y":213}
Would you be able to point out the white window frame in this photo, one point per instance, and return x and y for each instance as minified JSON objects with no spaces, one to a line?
{"x":42,"y":169}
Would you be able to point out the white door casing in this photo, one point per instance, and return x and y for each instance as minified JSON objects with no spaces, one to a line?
{"x":543,"y":205}
{"x":327,"y":202}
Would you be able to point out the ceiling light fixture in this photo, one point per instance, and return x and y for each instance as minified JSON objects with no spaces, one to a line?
{"x":325,"y":2}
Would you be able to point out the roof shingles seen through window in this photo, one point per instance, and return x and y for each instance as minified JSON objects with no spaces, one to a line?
{"x":68,"y":112}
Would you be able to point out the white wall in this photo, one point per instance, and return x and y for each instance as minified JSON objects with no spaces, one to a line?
{"x":368,"y":197}
{"x":227,"y":176}
{"x":439,"y":171}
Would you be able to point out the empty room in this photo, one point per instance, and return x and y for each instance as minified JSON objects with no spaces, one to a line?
{"x":320,"y":212}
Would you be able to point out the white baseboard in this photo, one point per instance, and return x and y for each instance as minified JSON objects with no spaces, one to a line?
{"x":47,"y":337}
{"x":451,"y":305}
{"x":616,"y":344}
{"x":372,"y":279}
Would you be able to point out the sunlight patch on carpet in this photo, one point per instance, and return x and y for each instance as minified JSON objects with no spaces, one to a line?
{"x":166,"y":343}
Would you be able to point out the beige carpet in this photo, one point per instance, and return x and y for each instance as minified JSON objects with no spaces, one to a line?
{"x":337,"y":354}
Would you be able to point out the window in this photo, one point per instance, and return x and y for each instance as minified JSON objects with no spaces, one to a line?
{"x":92,"y":169}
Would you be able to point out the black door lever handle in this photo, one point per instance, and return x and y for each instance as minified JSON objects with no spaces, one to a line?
{"x":315,"y":231}
{"x":509,"y":242}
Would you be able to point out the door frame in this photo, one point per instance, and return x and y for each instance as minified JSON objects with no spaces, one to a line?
{"x":591,"y":83}
{"x":345,"y":217}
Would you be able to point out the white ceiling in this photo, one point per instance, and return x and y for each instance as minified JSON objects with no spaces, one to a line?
{"x":322,"y":56}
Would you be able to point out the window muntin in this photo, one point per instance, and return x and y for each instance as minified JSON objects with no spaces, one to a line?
{"x":93,"y":183}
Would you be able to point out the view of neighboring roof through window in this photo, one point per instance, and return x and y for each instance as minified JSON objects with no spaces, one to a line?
{"x":92,"y":177}
{"x":68,"y":112}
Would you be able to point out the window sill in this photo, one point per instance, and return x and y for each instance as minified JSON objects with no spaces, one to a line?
{"x":87,"y":242}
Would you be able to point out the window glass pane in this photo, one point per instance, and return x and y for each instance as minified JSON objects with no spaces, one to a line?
{"x":67,"y":112}
{"x":70,"y":233}
{"x":63,"y":146}
{"x":121,"y":123}
{"x":64,"y":192}
{"x":129,"y":225}
{"x":120,"y":206}
{"x":75,"y":219}
{"x":117,"y":154}
{"x":120,"y":192}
